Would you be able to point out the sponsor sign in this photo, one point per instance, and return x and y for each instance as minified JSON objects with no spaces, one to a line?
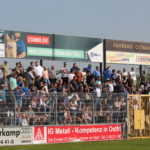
{"x":2,"y":44}
{"x":67,"y":53}
{"x":96,"y":53}
{"x":120,"y":57}
{"x":143,"y":59}
{"x":39,"y":135}
{"x":126,"y":52}
{"x":16,"y":136}
{"x":127,"y":58}
{"x":24,"y":44}
{"x":34,"y":39}
{"x":58,"y":134}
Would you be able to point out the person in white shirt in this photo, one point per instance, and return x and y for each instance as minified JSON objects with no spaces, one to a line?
{"x":110,"y":86}
{"x":133,"y":75}
{"x":64,"y":74}
{"x":38,"y":69}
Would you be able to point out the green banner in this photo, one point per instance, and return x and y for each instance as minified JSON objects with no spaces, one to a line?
{"x":64,"y":53}
{"x":38,"y":51}
{"x":69,"y":53}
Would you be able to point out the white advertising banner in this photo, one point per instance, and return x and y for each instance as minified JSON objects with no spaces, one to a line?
{"x":96,"y":53}
{"x":2,"y":44}
{"x":16,"y":136}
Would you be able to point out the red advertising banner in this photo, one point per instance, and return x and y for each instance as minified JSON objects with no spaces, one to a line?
{"x":58,"y":134}
{"x":39,"y":135}
{"x":37,"y":39}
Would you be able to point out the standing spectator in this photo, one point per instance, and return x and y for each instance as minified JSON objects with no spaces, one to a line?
{"x":31,"y":65}
{"x":5,"y":69}
{"x":78,"y":76}
{"x":13,"y":82}
{"x":52,"y":75}
{"x":96,"y":72}
{"x":64,"y":74}
{"x":113,"y":74}
{"x":125,"y":73}
{"x":30,"y":76}
{"x":89,"y":68}
{"x":46,"y":76}
{"x":71,"y":75}
{"x":74,"y":68}
{"x":18,"y":93}
{"x":38,"y":69}
{"x":2,"y":95}
{"x":107,"y":74}
{"x":133,"y":75}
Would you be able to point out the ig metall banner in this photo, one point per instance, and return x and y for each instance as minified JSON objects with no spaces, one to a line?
{"x":16,"y":136}
{"x":59,"y":134}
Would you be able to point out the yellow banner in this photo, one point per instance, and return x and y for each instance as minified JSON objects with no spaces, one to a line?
{"x":127,"y":58}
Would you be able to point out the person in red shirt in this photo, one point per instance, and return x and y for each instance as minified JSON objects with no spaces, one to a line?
{"x":78,"y":76}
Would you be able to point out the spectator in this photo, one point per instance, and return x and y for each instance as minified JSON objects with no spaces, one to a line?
{"x":13,"y":81}
{"x":89,"y":69}
{"x":74,"y":68}
{"x":52,"y":75}
{"x":38,"y":69}
{"x":133,"y":75}
{"x":5,"y":69}
{"x":46,"y":76}
{"x":64,"y":74}
{"x":107,"y":74}
{"x":96,"y":72}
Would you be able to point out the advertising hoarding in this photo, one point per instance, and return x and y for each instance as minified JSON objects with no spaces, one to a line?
{"x":39,"y":135}
{"x":126,"y":52}
{"x":16,"y":136}
{"x":2,"y":44}
{"x":58,"y":134}
{"x":24,"y":44}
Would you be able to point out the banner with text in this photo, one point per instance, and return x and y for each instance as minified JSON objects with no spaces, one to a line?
{"x":2,"y":43}
{"x":58,"y":134}
{"x":126,"y":52}
{"x":16,"y":136}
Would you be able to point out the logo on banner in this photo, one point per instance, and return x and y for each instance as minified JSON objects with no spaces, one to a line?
{"x":38,"y":39}
{"x":39,"y":133}
{"x":96,"y":53}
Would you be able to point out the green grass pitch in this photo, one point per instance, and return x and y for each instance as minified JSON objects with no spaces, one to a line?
{"x":139,"y":144}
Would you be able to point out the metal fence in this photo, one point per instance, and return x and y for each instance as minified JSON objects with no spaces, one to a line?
{"x":65,"y":108}
{"x":139,"y":115}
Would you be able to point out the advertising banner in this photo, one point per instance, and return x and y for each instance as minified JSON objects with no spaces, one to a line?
{"x":127,"y":52}
{"x":73,"y":47}
{"x":39,"y":135}
{"x":16,"y":136}
{"x":2,"y":44}
{"x":24,"y":44}
{"x":58,"y":134}
{"x":96,"y":53}
{"x":120,"y":57}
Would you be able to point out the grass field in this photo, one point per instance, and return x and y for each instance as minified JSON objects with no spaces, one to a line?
{"x":140,"y":144}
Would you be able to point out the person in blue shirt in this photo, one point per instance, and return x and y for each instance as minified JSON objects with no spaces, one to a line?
{"x":89,"y":69}
{"x":107,"y":74}
{"x":21,"y":50}
{"x":96,"y":72}
{"x":2,"y":94}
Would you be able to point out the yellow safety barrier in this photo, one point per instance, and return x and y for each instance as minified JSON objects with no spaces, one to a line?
{"x":138,"y":116}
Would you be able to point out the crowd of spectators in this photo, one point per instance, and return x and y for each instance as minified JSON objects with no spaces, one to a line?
{"x":40,"y":95}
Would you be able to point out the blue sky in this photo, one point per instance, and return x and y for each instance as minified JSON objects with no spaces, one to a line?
{"x":115,"y":19}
